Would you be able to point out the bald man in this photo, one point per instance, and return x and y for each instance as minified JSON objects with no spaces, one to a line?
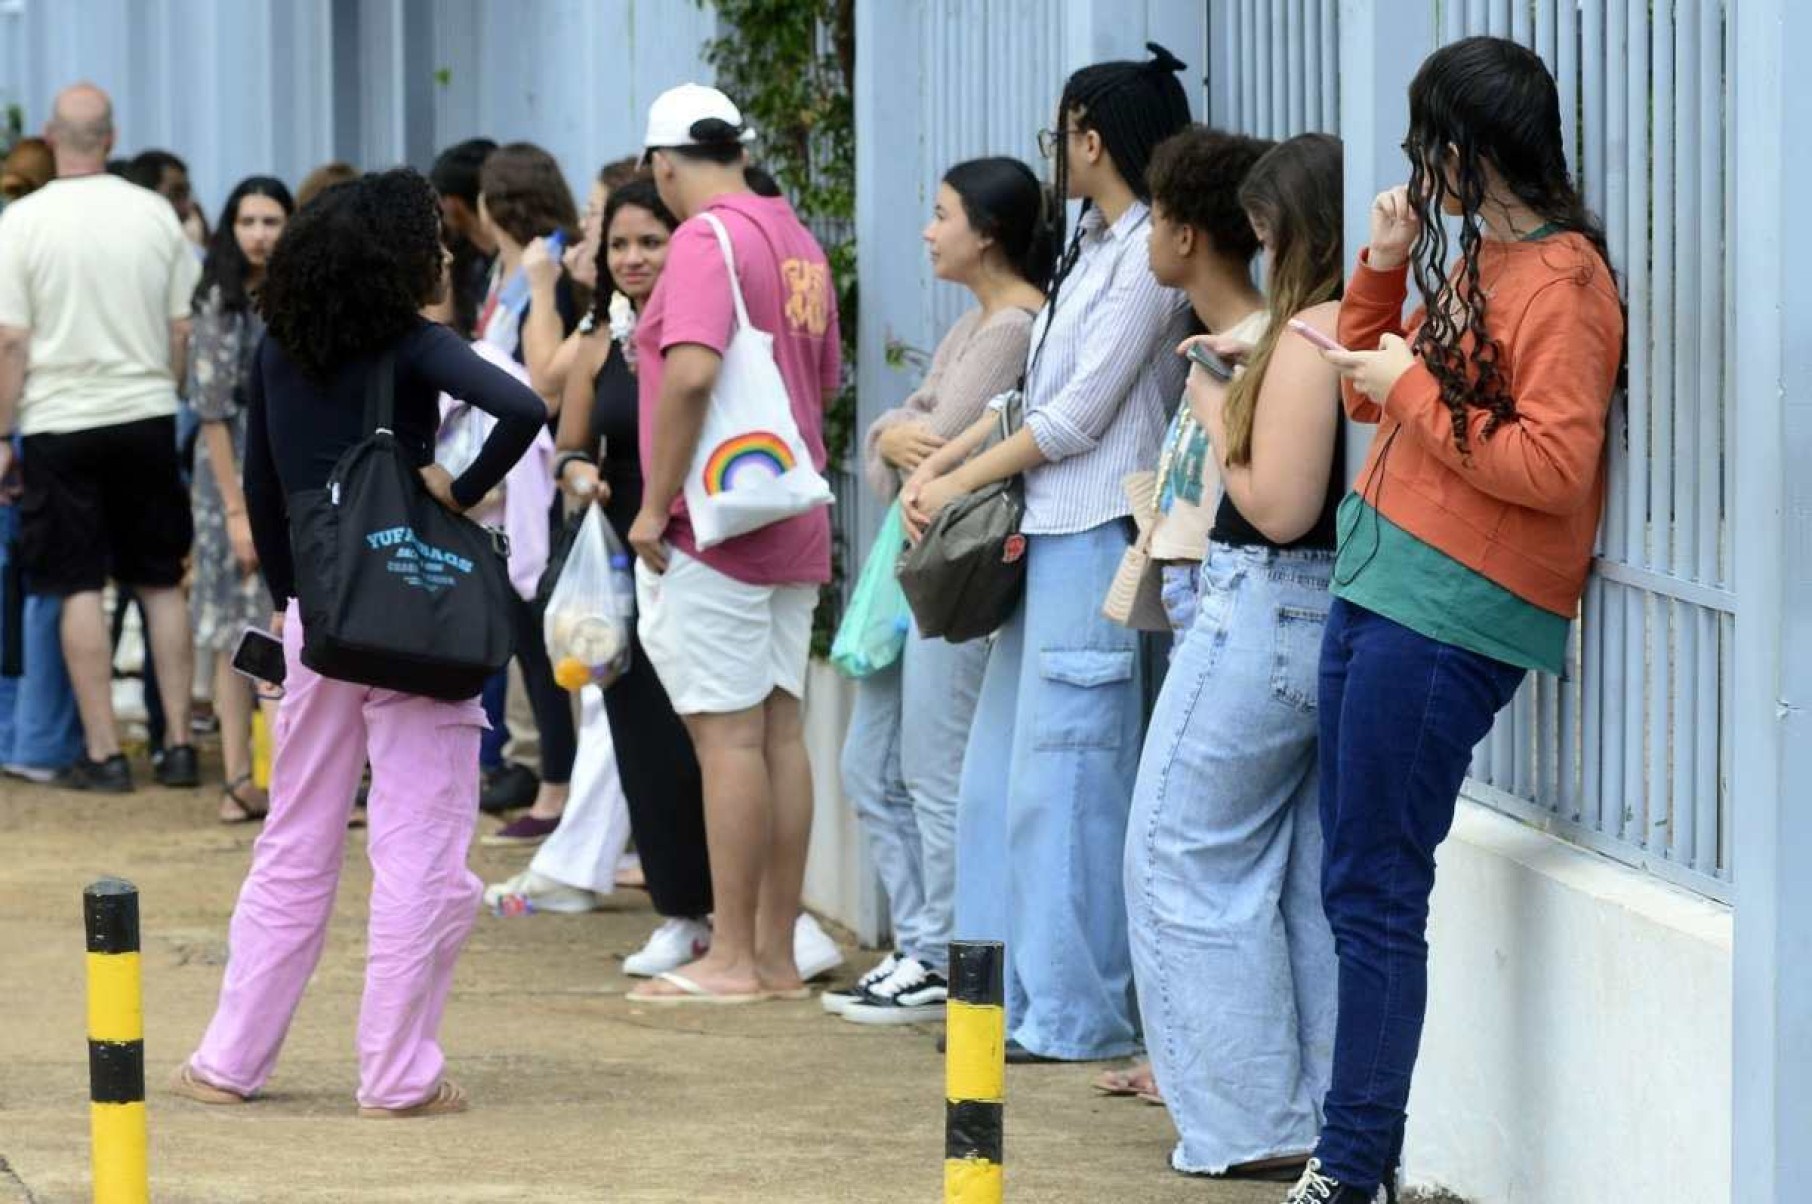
{"x":95,"y":286}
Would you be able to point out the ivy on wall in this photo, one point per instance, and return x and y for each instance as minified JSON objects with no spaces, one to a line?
{"x":790,"y":66}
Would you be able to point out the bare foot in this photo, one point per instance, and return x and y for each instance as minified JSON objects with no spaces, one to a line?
{"x":1135,"y":1080}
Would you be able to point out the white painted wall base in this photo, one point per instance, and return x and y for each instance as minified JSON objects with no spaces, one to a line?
{"x":1579,"y":1028}
{"x":839,"y":883}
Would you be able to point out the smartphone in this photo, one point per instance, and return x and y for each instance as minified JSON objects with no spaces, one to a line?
{"x":260,"y":657}
{"x":1211,"y":363}
{"x":1314,"y":336}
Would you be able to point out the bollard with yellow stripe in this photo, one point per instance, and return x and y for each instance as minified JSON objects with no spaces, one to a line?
{"x":975,"y":1073}
{"x":116,"y":1044}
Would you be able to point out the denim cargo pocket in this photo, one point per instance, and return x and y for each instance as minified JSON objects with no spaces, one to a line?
{"x":1072,"y":710}
{"x":1296,"y":656}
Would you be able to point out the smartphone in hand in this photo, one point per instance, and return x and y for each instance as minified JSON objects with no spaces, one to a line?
{"x":1210,"y":363}
{"x":260,"y":657}
{"x":1314,"y":336}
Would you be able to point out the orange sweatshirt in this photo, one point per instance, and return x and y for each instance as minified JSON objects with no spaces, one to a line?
{"x":1521,"y":507}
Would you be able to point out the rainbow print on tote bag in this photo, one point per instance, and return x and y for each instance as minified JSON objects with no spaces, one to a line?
{"x":751,"y":468}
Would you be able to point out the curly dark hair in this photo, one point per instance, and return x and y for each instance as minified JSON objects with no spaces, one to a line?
{"x":353,"y":270}
{"x":638,"y":193}
{"x":1195,"y":177}
{"x":1494,"y":103}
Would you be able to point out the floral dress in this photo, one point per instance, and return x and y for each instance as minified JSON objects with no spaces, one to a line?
{"x":223,"y":602}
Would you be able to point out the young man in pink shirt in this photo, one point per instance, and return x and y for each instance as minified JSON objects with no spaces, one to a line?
{"x":729,"y":628}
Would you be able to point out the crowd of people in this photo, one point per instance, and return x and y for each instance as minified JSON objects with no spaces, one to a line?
{"x":1233,"y":882}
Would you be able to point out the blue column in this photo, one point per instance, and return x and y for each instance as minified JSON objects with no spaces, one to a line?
{"x":1772,"y":528}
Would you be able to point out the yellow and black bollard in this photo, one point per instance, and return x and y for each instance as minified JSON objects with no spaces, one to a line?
{"x":116,"y":1044}
{"x":975,"y":1073}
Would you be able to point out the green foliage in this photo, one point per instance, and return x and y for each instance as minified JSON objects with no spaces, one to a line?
{"x":790,"y":66}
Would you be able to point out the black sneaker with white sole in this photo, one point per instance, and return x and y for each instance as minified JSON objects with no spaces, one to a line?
{"x":836,"y":1002}
{"x":912,"y":994}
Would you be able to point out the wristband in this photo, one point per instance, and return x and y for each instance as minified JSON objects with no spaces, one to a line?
{"x":565,"y":458}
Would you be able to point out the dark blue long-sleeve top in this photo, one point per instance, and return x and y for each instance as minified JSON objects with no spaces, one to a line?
{"x":297,"y":430}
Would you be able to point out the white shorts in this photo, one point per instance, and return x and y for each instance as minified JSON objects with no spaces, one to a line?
{"x":718,"y":644}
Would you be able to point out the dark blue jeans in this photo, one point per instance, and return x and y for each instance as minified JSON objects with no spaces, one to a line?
{"x":1400,"y":714}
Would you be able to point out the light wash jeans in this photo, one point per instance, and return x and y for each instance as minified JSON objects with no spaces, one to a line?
{"x":39,"y":725}
{"x":1181,"y":587}
{"x":1235,"y":960}
{"x":1046,"y":785}
{"x":902,"y":769}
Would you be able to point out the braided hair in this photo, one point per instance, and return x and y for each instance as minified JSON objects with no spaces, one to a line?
{"x":1133,"y":107}
{"x":1493,"y":102}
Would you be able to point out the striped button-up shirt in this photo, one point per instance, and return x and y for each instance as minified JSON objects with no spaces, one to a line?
{"x":1099,"y":392}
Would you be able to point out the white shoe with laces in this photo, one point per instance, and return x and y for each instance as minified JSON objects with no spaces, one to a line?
{"x":676,"y":943}
{"x":813,"y":950}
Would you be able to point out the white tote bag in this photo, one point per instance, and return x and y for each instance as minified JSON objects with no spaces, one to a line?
{"x":751,"y":468}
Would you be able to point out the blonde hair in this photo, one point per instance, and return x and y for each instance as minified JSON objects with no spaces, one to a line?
{"x":1295,"y":191}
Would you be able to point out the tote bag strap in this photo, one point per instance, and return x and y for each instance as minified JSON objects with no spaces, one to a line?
{"x":723,"y":242}
{"x":380,"y":395}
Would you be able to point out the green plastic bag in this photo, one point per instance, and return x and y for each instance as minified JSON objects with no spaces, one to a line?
{"x":873,"y":632}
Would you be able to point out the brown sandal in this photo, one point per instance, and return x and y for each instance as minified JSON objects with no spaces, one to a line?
{"x":249,"y":813}
{"x":190,"y":1087}
{"x":447,"y":1099}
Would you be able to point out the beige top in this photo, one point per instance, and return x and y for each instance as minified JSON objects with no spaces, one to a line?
{"x":1190,"y":493}
{"x":96,"y":269}
{"x":976,"y":361}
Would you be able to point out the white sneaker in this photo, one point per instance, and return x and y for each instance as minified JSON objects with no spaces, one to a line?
{"x":674,"y":944}
{"x":538,"y":892}
{"x":813,"y":950}
{"x":36,"y":774}
{"x":835,"y":1001}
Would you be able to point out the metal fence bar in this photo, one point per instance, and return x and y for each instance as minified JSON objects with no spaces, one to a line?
{"x":1294,"y":51}
{"x":1707,"y":797}
{"x":1682,"y":748}
{"x":1280,"y":74}
{"x":1522,"y":22}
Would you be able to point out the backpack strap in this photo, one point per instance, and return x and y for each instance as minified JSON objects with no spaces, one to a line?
{"x":723,"y":242}
{"x":380,"y":395}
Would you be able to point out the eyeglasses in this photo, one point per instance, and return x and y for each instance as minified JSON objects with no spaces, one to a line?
{"x":1047,"y":141}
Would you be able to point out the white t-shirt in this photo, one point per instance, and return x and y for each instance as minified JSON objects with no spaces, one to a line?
{"x":96,"y":269}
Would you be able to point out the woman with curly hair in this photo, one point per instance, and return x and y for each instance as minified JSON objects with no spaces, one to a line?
{"x":227,"y":595}
{"x":1465,"y":549}
{"x":341,"y":298}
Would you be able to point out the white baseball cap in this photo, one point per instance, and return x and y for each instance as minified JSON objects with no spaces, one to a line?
{"x":675,"y":113}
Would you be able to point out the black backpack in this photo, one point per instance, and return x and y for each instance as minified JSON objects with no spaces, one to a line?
{"x":395,"y":590}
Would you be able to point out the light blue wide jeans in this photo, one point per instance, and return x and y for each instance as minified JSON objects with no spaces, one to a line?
{"x":1046,"y":785}
{"x":902,"y":769}
{"x":1233,"y":954}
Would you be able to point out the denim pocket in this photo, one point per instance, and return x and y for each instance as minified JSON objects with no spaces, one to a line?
{"x":1072,"y":709}
{"x":1296,"y":656}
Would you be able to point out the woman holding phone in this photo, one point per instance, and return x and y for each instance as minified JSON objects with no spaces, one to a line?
{"x":1223,"y":851}
{"x":1464,"y":550}
{"x":342,"y":298}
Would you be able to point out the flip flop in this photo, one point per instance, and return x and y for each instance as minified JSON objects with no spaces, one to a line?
{"x":448,"y":1099}
{"x":1154,"y":1099}
{"x":1116,"y":1083}
{"x":191,"y":1088}
{"x":691,"y":994}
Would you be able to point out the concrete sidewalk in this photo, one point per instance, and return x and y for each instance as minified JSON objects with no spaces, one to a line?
{"x":578,"y":1095}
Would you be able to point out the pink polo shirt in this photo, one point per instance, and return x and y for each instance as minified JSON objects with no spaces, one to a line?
{"x":786,"y":283}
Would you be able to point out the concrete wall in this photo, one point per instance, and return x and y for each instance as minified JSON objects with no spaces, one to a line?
{"x":1579,"y":1029}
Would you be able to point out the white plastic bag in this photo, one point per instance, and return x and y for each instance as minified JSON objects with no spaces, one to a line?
{"x":752,"y":467}
{"x":590,"y":611}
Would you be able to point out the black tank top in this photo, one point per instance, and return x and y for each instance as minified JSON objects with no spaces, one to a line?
{"x":1232,"y":529}
{"x":615,"y":422}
